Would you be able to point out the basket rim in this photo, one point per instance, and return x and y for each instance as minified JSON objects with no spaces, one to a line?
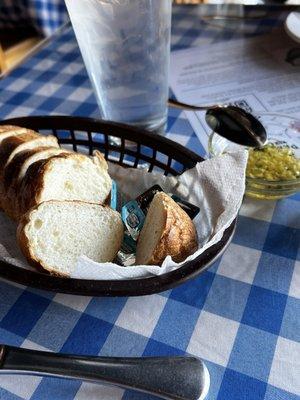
{"x":142,"y":136}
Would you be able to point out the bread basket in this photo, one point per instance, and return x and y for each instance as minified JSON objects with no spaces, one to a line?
{"x":129,"y":147}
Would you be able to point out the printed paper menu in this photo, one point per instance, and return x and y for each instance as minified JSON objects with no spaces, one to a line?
{"x":260,"y":74}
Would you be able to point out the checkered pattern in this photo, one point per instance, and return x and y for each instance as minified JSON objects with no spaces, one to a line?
{"x":241,"y":316}
{"x":45,"y":15}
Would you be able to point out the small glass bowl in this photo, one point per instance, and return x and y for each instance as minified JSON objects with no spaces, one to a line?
{"x":283,"y":131}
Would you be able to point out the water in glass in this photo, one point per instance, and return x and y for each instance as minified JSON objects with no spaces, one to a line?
{"x":125,"y":45}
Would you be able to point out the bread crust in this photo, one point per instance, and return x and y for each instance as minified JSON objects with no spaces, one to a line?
{"x":179,"y":236}
{"x":5,"y":128}
{"x":11,"y":128}
{"x":100,"y":160}
{"x":11,"y":178}
{"x":9,"y":144}
{"x":7,"y":131}
{"x":13,"y":169}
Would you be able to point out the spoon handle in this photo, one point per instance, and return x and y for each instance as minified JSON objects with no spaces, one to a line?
{"x":184,"y":106}
{"x":177,"y":378}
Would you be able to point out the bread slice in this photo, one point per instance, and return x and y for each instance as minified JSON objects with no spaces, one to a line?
{"x":167,"y":230}
{"x":69,"y":176}
{"x":55,"y":233}
{"x":15,"y":171}
{"x":12,"y":145}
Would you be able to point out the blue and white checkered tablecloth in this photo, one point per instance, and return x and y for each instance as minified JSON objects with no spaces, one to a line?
{"x":44,"y":15}
{"x":242,"y":316}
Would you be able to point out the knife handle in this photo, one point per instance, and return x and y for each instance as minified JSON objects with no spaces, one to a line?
{"x":172,"y":378}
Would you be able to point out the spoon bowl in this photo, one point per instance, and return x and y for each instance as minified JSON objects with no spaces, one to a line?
{"x":230,"y":122}
{"x":236,"y":125}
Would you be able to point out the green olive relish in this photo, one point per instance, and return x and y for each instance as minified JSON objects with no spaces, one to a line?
{"x":273,"y":163}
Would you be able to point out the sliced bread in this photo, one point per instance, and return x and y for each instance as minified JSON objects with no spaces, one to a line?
{"x":13,"y":145}
{"x":68,"y":176}
{"x":17,"y":168}
{"x":7,"y":131}
{"x":15,"y":171}
{"x":54,"y":234}
{"x":167,"y":230}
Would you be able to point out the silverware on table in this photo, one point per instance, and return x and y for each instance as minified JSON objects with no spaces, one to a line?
{"x":231,"y":122}
{"x":176,"y":378}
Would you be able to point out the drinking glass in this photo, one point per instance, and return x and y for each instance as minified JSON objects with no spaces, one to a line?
{"x":125,"y":45}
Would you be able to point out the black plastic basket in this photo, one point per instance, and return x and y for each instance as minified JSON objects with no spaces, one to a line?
{"x":129,"y":147}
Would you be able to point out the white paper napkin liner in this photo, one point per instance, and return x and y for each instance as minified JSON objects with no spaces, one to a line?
{"x":216,"y":186}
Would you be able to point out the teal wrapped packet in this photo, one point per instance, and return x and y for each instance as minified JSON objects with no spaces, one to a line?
{"x":134,"y":214}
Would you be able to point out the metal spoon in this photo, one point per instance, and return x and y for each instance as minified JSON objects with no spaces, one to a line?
{"x":233,"y":123}
{"x":176,"y":378}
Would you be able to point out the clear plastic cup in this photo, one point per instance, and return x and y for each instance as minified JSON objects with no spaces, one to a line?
{"x":125,"y":46}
